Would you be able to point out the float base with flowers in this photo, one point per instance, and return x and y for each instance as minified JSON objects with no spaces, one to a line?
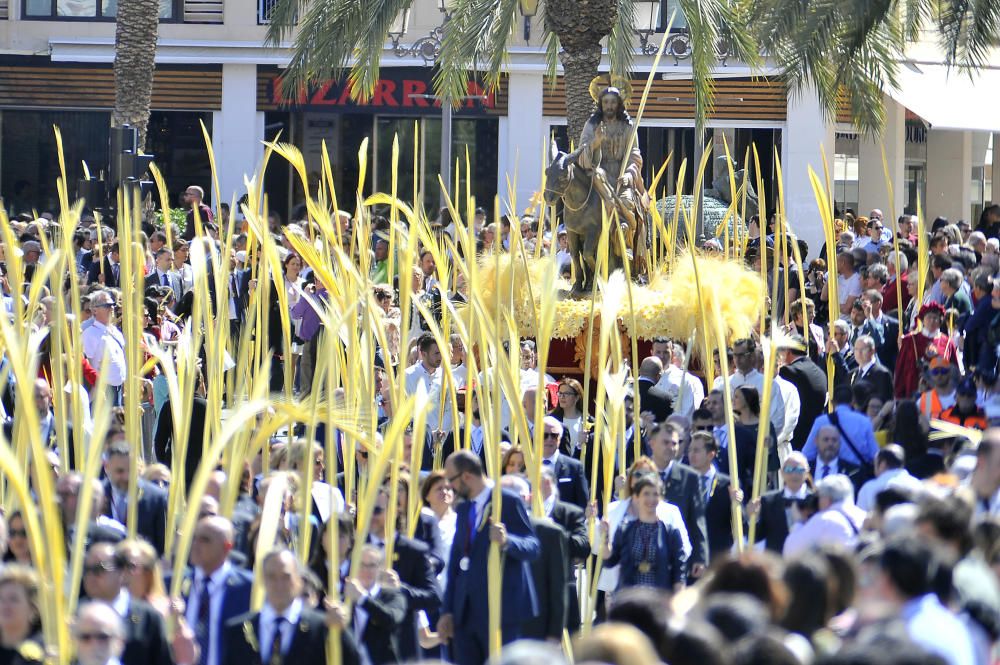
{"x":672,"y":304}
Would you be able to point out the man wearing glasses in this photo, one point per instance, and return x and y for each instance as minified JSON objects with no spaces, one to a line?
{"x":568,"y":472}
{"x":774,"y":510}
{"x":99,"y":635}
{"x":145,"y":631}
{"x":104,"y":338}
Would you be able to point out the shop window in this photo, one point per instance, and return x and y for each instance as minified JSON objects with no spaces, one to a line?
{"x":95,"y":10}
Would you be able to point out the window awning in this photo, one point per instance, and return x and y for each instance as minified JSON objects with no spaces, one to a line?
{"x":949,"y":98}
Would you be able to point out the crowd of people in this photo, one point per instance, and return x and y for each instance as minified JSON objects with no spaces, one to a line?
{"x":871,"y":533}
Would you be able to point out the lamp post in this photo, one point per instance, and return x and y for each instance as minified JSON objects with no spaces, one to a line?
{"x":647,"y":22}
{"x":528,"y":10}
{"x":428,"y":47}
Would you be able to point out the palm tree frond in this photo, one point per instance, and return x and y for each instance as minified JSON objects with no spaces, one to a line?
{"x":477,"y":34}
{"x":620,"y":47}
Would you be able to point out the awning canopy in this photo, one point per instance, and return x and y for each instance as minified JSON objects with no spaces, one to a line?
{"x":949,"y":98}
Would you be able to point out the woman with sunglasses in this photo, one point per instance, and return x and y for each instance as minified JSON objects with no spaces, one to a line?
{"x":569,"y":412}
{"x":647,"y":550}
{"x":18,"y":549}
{"x":623,"y":511}
{"x":20,"y":618}
{"x":143,"y":576}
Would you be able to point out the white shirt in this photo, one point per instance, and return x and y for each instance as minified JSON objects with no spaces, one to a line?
{"x":121,"y":603}
{"x":98,"y":338}
{"x":438,"y":413}
{"x":848,"y":287}
{"x":694,"y":392}
{"x":574,"y":426}
{"x":827,"y":527}
{"x":326,"y":495}
{"x":896,"y":478}
{"x":268,"y":617}
{"x":460,"y":374}
{"x":216,"y":593}
{"x":793,"y":408}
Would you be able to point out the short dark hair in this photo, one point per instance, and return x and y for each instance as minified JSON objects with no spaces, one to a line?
{"x":951,"y":519}
{"x":466,"y":461}
{"x":426,"y":341}
{"x":842,"y":395}
{"x":701,"y":413}
{"x":892,"y":456}
{"x":909,"y":564}
{"x":643,"y":481}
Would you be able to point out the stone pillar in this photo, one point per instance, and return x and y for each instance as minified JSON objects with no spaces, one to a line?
{"x":237,"y":130}
{"x":949,"y":175}
{"x":872,"y":192}
{"x":522,"y":142}
{"x":807,"y":136}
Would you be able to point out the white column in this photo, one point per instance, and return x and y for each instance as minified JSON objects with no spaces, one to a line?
{"x":995,"y":189}
{"x":872,"y":192}
{"x":949,"y":175}
{"x":237,"y":130}
{"x":807,"y":137}
{"x":522,"y":140}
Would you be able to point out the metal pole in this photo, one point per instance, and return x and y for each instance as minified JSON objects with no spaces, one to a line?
{"x":446,"y":148}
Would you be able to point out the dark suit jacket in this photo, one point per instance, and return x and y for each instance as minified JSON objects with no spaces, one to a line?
{"x":151,"y":512}
{"x":856,"y":474}
{"x":464,"y":595}
{"x":927,"y":465}
{"x":772,"y":522}
{"x":569,"y":476}
{"x":810,"y":381}
{"x":145,"y":636}
{"x":573,"y":522}
{"x":451,"y":444}
{"x":418,"y":584}
{"x":879,"y":377}
{"x":669,"y":564}
{"x":163,"y":441}
{"x":680,"y":487}
{"x":549,"y":573}
{"x":110,"y":281}
{"x":308,"y":644}
{"x":386,"y":617}
{"x":655,"y":400}
{"x":886,"y":336}
{"x":235,"y":601}
{"x":428,"y":532}
{"x":719,"y":519}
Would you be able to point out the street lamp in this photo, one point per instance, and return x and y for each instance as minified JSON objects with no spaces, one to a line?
{"x":400,"y":26}
{"x":528,"y":10}
{"x":647,"y":22}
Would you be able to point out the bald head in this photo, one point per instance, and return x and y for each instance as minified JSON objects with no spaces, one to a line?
{"x":651,"y":368}
{"x":213,"y":540}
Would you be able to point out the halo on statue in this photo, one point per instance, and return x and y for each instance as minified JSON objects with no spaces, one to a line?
{"x":604,"y":81}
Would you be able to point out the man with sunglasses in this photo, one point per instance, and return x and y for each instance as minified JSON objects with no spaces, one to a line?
{"x":942,"y":394}
{"x":145,"y":631}
{"x":567,"y":471}
{"x":99,"y":635}
{"x":103,"y":337}
{"x":774,"y":510}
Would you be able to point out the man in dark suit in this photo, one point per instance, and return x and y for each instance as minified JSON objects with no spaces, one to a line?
{"x":111,"y":272}
{"x":412,"y":563}
{"x":250,"y":639}
{"x":828,"y":461}
{"x":478,"y":436}
{"x":680,"y":487}
{"x":773,"y":509}
{"x":808,"y":379}
{"x":465,"y":611}
{"x":572,"y":520}
{"x":145,"y":631}
{"x":870,"y":370}
{"x":653,"y":399}
{"x":549,"y":571}
{"x":214,"y":591}
{"x":162,"y":275}
{"x":568,"y":472}
{"x":163,"y":438}
{"x":883,"y":328}
{"x":151,"y":509}
{"x":379,"y":607}
{"x":717,"y":494}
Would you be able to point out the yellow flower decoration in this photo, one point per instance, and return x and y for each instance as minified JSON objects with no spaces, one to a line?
{"x":31,"y":651}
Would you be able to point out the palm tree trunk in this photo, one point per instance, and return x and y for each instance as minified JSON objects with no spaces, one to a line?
{"x":135,"y":54}
{"x":580,"y":26}
{"x":579,"y":69}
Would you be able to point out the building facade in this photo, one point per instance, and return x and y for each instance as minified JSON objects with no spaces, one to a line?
{"x":214,"y":70}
